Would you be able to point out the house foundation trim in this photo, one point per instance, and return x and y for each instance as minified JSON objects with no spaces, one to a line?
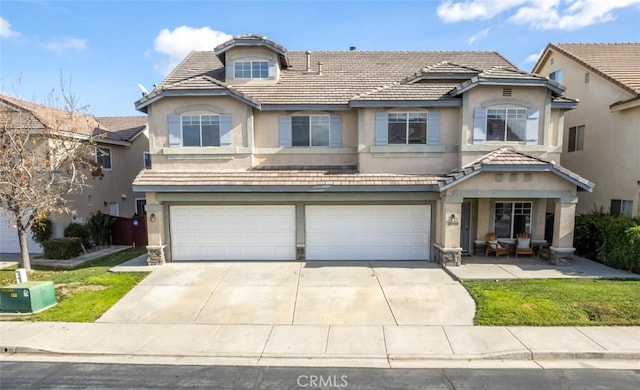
{"x":155,"y":254}
{"x":448,"y":257}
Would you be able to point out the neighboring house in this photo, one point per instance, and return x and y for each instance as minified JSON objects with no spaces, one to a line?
{"x":121,"y":152}
{"x":601,"y":136}
{"x":260,"y":153}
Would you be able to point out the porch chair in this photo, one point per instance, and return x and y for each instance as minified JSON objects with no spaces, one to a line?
{"x":523,"y":244}
{"x":492,"y":245}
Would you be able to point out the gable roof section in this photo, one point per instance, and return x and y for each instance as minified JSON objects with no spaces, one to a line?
{"x":499,"y":75}
{"x":507,"y":159}
{"x":252,"y":40}
{"x":121,"y":128}
{"x":345,"y":75}
{"x":616,"y":62}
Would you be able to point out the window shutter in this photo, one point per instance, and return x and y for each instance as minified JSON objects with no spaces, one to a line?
{"x":272,"y":69}
{"x":335,"y":131}
{"x":433,"y":128}
{"x":382,"y":128}
{"x":175,"y":130}
{"x":479,"y":126}
{"x":226,"y":133}
{"x":285,"y":131}
{"x":229,"y":70}
{"x":531,"y":137}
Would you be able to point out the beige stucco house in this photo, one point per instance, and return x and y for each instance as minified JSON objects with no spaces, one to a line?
{"x":260,"y":153}
{"x":121,"y":151}
{"x":602,"y":135}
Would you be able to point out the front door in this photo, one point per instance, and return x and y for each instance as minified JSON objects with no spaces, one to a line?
{"x":465,"y":224}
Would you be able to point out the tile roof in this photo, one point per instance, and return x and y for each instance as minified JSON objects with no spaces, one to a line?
{"x":122,"y":128}
{"x":507,"y":158}
{"x":345,"y":74}
{"x":618,"y":62}
{"x":329,"y":179}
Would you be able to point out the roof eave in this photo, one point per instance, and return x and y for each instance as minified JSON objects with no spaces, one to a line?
{"x":557,"y":88}
{"x":141,"y":105}
{"x":626,"y":104}
{"x":301,"y":107}
{"x":564,"y":105}
{"x":285,"y":188}
{"x":405,"y":103}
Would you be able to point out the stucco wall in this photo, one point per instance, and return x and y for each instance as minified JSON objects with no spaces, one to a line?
{"x":612,"y":138}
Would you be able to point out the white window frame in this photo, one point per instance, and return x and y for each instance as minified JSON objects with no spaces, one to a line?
{"x":513,"y":213}
{"x":144,"y":160}
{"x":520,"y":113}
{"x":200,"y":116}
{"x":110,"y":157}
{"x":626,"y":207}
{"x":578,"y":138}
{"x":251,"y":69}
{"x":324,"y":118}
{"x":408,"y":117}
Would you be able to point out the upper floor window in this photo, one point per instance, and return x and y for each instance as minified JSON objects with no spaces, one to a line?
{"x":556,"y":76}
{"x":404,"y":128}
{"x":251,"y":69}
{"x":506,"y":124}
{"x":200,"y":130}
{"x":103,"y":157}
{"x":146,"y":160}
{"x":621,"y":207}
{"x":576,"y":138}
{"x":310,"y":130}
{"x":407,"y":128}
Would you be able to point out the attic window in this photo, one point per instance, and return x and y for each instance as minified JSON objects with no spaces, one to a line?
{"x":507,"y":91}
{"x":586,"y":78}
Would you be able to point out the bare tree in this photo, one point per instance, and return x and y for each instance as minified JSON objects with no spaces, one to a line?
{"x":45,"y":151}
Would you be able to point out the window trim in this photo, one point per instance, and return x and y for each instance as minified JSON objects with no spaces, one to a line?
{"x":144,"y":160}
{"x":110,"y":157}
{"x":182,"y":116}
{"x":513,"y":209}
{"x":310,"y":130}
{"x":407,"y":122}
{"x":624,"y":203}
{"x":251,"y":70}
{"x":556,"y":75}
{"x":507,"y":109}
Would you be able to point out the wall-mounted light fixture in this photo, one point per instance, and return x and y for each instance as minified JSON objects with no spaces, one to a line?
{"x":123,"y":196}
{"x":152,"y":217}
{"x":452,"y":220}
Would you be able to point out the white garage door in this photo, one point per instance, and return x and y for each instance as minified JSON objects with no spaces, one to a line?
{"x":375,"y":232}
{"x":9,"y":238}
{"x":233,"y":232}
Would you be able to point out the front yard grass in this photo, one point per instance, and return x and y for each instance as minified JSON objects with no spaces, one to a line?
{"x":556,"y":302}
{"x":85,"y":293}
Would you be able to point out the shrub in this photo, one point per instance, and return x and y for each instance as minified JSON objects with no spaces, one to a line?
{"x":588,"y":235}
{"x":62,"y":248}
{"x":81,"y":231}
{"x":41,"y":230}
{"x":100,"y":227}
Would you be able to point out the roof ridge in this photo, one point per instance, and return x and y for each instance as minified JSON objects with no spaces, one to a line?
{"x":376,"y":90}
{"x":178,"y":66}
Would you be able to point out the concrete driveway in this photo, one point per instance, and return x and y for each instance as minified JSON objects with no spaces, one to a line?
{"x":296,"y":293}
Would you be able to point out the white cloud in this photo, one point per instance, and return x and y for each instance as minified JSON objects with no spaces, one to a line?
{"x":538,"y":14}
{"x":532,"y":58}
{"x":450,"y":11}
{"x":5,"y":29}
{"x":63,"y":44}
{"x":182,"y":40}
{"x":478,"y":35}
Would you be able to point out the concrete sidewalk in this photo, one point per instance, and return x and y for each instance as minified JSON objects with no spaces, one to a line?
{"x":317,"y":345}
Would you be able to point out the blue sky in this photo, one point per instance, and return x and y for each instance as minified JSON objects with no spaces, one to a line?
{"x":106,"y":48}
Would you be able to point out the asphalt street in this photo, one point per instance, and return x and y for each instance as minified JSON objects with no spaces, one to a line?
{"x":39,"y":375}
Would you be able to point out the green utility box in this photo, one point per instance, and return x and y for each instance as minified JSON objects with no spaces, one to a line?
{"x":27,"y":297}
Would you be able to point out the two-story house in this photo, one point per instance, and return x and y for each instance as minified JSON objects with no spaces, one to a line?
{"x":260,"y":153}
{"x":602,"y":135}
{"x":120,"y":152}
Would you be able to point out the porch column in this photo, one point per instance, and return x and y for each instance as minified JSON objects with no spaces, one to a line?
{"x":155,"y":231}
{"x":563,"y":226}
{"x":448,"y":251}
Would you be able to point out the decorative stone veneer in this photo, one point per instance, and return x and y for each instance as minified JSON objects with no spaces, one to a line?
{"x":449,"y":257}
{"x":155,"y":254}
{"x":561,"y":256}
{"x":300,"y":253}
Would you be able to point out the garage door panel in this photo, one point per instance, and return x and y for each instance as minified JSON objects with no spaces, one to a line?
{"x":371,"y":232}
{"x":233,"y":232}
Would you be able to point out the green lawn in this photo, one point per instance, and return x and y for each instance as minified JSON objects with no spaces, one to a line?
{"x":556,"y":302}
{"x":83,"y":294}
